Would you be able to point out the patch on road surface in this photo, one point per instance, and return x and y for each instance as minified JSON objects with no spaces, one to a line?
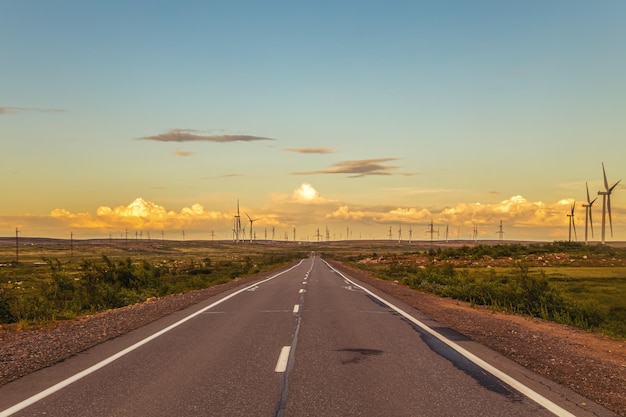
{"x":356,"y":355}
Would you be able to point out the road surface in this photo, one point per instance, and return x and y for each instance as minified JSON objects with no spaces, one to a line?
{"x":307,"y":341}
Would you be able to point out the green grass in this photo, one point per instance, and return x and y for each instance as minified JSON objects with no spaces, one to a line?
{"x":604,"y":287}
{"x":53,"y":281}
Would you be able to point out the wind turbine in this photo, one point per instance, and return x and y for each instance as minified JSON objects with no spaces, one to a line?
{"x":571,"y":222}
{"x":251,"y":221}
{"x":606,"y":203}
{"x":588,"y":218}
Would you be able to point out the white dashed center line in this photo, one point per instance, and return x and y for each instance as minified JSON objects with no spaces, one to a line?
{"x":283,"y":358}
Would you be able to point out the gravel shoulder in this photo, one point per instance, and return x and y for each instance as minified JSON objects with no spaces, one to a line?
{"x":590,"y":364}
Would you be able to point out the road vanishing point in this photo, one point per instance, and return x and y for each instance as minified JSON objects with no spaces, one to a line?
{"x":309,"y":340}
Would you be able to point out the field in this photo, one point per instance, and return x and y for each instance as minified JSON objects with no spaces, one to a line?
{"x":583,"y":286}
{"x":60,"y":279}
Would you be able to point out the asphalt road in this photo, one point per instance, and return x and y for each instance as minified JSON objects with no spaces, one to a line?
{"x":305,"y":342}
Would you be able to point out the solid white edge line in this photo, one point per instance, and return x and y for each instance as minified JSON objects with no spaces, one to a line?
{"x":283,"y":358}
{"x":43,"y":394}
{"x":514,"y":383}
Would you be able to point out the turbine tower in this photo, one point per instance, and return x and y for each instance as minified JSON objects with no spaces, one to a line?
{"x":237,"y":224}
{"x":571,"y":222}
{"x":588,"y":219}
{"x":606,"y":203}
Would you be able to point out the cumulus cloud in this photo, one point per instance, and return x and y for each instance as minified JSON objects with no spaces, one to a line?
{"x":139,"y":214}
{"x":360,"y":168}
{"x":15,"y":110}
{"x":310,"y":150}
{"x":305,"y":192}
{"x":189,"y":135}
{"x":303,"y":196}
{"x":307,"y":209}
{"x":516,"y":211}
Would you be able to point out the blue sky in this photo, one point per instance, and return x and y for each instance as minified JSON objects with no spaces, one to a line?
{"x":391,"y":112}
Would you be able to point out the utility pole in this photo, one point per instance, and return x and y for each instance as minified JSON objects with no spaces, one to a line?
{"x":500,"y":231}
{"x":71,"y":244}
{"x":432,"y":231}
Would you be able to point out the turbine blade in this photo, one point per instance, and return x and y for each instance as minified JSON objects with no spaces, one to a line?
{"x":591,"y":221}
{"x":592,"y":201}
{"x":588,"y":198}
{"x":574,"y":226}
{"x":606,"y":183}
{"x":614,"y":185}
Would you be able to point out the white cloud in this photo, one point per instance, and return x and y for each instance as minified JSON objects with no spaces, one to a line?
{"x":305,"y":192}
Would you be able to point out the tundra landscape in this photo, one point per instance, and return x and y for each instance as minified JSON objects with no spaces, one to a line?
{"x":305,"y":209}
{"x":556,"y":308}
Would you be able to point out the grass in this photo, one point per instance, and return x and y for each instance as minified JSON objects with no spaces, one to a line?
{"x":600,"y":288}
{"x":56,"y":281}
{"x":604,"y":287}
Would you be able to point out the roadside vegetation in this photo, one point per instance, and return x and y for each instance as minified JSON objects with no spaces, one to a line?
{"x":51,"y":283}
{"x":569,"y":283}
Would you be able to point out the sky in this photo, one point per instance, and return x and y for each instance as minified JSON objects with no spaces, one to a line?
{"x":360,"y":118}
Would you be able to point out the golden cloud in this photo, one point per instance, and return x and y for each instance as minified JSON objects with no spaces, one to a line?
{"x":516,"y":211}
{"x":140,"y":214}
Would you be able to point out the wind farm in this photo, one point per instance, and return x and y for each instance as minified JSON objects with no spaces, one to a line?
{"x":431,"y":228}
